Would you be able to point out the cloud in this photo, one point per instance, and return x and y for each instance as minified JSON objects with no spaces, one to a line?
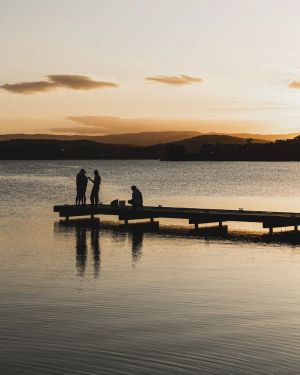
{"x":76,"y":82}
{"x":175,"y":80}
{"x":294,"y":85}
{"x":29,"y":87}
{"x":57,"y":81}
{"x":101,"y":125}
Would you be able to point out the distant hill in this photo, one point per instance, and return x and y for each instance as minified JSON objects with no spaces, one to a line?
{"x":43,"y":149}
{"x":267,"y":137}
{"x":281,"y":150}
{"x":86,"y":149}
{"x":194,"y":144}
{"x":148,"y":138}
{"x":145,"y":139}
{"x":134,"y":139}
{"x":207,"y":147}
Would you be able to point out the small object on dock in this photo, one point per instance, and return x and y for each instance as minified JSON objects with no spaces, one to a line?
{"x":115,"y":203}
{"x":122,"y":204}
{"x":241,"y":209}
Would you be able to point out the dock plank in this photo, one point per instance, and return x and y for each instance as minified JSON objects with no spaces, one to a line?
{"x":195,"y":216}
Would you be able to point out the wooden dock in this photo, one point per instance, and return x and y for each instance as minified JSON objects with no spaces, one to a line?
{"x":195,"y":216}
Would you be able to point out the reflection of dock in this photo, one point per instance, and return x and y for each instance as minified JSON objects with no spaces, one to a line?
{"x":195,"y":216}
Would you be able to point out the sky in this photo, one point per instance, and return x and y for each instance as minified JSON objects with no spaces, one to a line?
{"x":103,"y":67}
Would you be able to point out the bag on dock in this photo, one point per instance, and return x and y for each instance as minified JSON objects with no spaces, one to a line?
{"x":115,"y":203}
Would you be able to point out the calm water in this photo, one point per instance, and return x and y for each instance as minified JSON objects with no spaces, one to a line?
{"x":83,"y":299}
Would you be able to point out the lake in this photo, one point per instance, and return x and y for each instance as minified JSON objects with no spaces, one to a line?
{"x":100,"y":299}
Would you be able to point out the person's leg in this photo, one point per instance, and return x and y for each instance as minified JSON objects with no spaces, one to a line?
{"x":84,"y":197}
{"x":96,"y":196}
{"x":93,"y":196}
{"x":80,"y":197}
{"x":77,"y":196}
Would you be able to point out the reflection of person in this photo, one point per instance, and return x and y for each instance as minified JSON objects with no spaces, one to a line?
{"x":81,"y":185}
{"x":137,"y":245}
{"x":96,"y":186}
{"x":81,"y":250}
{"x":96,"y":250}
{"x":137,"y":198}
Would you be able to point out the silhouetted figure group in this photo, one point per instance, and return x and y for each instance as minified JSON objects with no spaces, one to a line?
{"x":136,"y":200}
{"x":81,"y":186}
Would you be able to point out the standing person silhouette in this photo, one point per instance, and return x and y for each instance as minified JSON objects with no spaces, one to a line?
{"x":81,"y":185}
{"x":95,"y":190}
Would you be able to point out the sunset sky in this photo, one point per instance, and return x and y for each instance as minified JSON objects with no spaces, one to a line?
{"x":102,"y":67}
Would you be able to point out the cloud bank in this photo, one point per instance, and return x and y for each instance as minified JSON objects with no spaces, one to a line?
{"x":104,"y":125}
{"x":294,"y":85}
{"x":56,"y":82}
{"x":174,"y":80}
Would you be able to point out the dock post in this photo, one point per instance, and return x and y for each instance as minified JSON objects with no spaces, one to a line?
{"x":126,"y":221}
{"x":92,"y":216}
{"x":151,"y":220}
{"x":220,"y":223}
{"x":196,"y":226}
{"x":67,"y":218}
{"x":296,"y":228}
{"x":270,"y":230}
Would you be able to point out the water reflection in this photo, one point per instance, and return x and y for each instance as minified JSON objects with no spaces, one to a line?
{"x":137,"y":238}
{"x":81,"y":250}
{"x":96,"y":250}
{"x":84,"y":228}
{"x":136,"y":233}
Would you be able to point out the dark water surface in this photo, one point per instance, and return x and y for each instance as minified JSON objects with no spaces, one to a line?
{"x":84,"y":299}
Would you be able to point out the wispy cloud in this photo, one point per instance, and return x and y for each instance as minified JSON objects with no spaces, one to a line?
{"x":175,"y":80}
{"x":76,"y":82}
{"x":55,"y":82}
{"x":101,"y":125}
{"x":29,"y":88}
{"x":294,"y":85}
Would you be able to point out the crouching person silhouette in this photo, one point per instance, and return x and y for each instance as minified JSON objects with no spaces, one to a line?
{"x":137,"y":198}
